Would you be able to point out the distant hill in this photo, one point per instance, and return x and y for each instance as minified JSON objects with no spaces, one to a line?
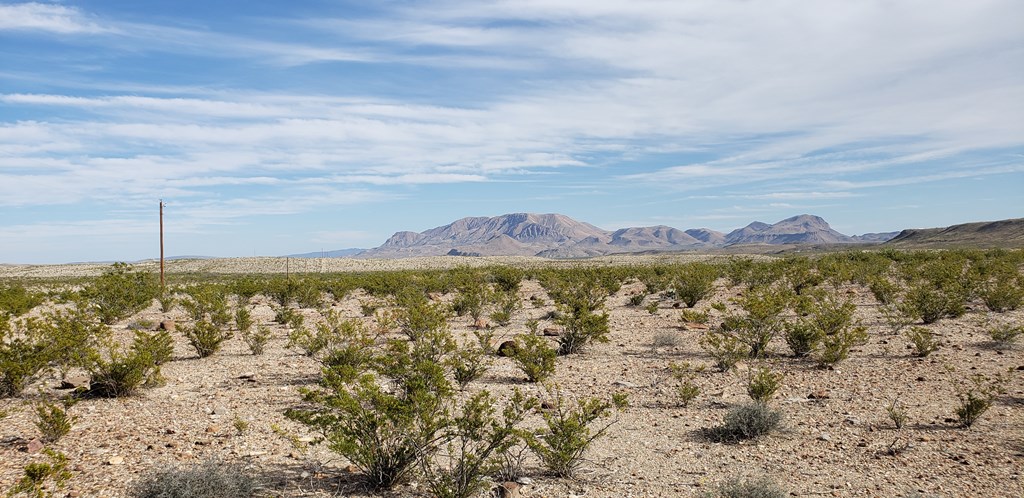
{"x":802,"y":229}
{"x":559,"y":236}
{"x":1003,"y":233}
{"x":337,"y":253}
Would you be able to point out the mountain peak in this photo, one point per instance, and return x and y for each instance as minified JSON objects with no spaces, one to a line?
{"x":557,"y":235}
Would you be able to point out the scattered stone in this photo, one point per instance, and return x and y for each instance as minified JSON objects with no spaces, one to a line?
{"x":525,"y":481}
{"x":819,"y":394}
{"x":115,"y":460}
{"x":547,"y":405}
{"x":824,"y":436}
{"x":75,"y":381}
{"x":167,"y":325}
{"x":552,"y":331}
{"x":509,"y":489}
{"x":212,"y":429}
{"x":481,"y":323}
{"x":34,"y":446}
{"x":507,"y":349}
{"x":623,"y":383}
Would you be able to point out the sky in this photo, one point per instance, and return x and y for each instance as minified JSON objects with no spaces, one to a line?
{"x":273,"y":128}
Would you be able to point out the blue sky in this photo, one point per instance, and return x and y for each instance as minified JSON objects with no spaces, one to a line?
{"x":272,"y":128}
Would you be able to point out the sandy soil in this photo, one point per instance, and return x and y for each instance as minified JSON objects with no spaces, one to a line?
{"x":837,"y":445}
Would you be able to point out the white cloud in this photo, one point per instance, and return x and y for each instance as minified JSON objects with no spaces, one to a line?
{"x":47,"y":17}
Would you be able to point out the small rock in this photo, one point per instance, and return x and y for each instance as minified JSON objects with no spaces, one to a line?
{"x":212,"y":429}
{"x":552,"y":331}
{"x":34,"y":446}
{"x":248,"y":376}
{"x":525,"y":481}
{"x":481,"y":323}
{"x":75,"y":381}
{"x":304,"y":439}
{"x":352,"y":469}
{"x":623,"y":383}
{"x":167,"y":325}
{"x":547,"y":405}
{"x":819,"y":394}
{"x":507,"y":349}
{"x":824,"y":436}
{"x":920,"y":379}
{"x":509,"y":489}
{"x":115,"y":460}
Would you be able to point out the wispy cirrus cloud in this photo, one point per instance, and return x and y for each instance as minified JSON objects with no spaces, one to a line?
{"x":48,"y":17}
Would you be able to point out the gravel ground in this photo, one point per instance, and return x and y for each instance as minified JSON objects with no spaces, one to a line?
{"x":836,"y":440}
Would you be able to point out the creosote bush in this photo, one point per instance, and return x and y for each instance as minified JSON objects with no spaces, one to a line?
{"x":762,"y":384}
{"x":211,"y":478}
{"x":975,"y":396}
{"x":43,"y":479}
{"x":684,"y":373}
{"x":760,"y":322}
{"x":535,"y":357}
{"x":25,"y":351}
{"x":206,"y":337}
{"x":568,"y":433}
{"x":1005,"y":335}
{"x":925,"y":341}
{"x":257,"y":340}
{"x":695,"y":281}
{"x":121,"y":292}
{"x":53,"y":419}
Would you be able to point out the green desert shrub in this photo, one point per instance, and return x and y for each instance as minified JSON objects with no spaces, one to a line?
{"x":568,"y":433}
{"x":72,"y":334}
{"x":206,"y":337}
{"x":207,"y":302}
{"x":468,"y":364}
{"x":508,"y":304}
{"x":43,"y":479}
{"x":24,"y":354}
{"x":1003,"y":292}
{"x":1005,"y":335}
{"x":762,"y":384}
{"x":827,"y":328}
{"x":16,"y":299}
{"x":695,"y":281}
{"x":975,"y":395}
{"x":243,"y":319}
{"x":746,"y":421}
{"x":761,"y":320}
{"x":121,"y":291}
{"x":724,"y":348}
{"x":475,"y":445}
{"x":390,"y":413}
{"x":580,"y":295}
{"x":53,"y":419}
{"x":687,"y":390}
{"x":290,"y":317}
{"x":535,"y":357}
{"x":925,"y":341}
{"x":157,"y":348}
{"x":257,"y":339}
{"x":119,"y":372}
{"x":211,"y":478}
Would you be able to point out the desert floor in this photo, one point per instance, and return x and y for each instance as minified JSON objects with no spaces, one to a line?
{"x":836,"y":441}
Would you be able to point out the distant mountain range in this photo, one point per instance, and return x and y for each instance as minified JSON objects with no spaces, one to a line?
{"x":983,"y":234}
{"x":559,"y":236}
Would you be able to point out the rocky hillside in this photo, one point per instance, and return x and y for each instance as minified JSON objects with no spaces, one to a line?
{"x":1003,"y":233}
{"x":559,"y":236}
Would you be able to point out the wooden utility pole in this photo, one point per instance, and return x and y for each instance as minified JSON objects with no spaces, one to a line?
{"x":161,"y":246}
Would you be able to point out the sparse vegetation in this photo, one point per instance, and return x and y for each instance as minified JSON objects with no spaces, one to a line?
{"x":53,"y":419}
{"x":205,"y":337}
{"x":762,"y":384}
{"x":747,"y":488}
{"x":568,"y":434}
{"x":207,"y":479}
{"x":746,"y":421}
{"x":925,"y":341}
{"x":535,"y":357}
{"x":43,"y":479}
